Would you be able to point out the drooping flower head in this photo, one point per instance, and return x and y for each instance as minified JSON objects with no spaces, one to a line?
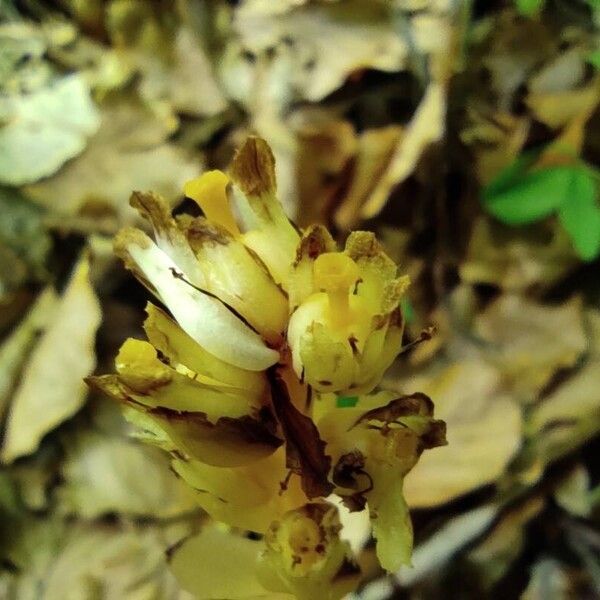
{"x":259,"y":379}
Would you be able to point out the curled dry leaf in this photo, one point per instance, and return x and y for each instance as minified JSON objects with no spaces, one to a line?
{"x":483,"y":430}
{"x":375,"y":149}
{"x":318,"y":46}
{"x":570,"y":416}
{"x":324,"y":150}
{"x":529,"y":342}
{"x":52,"y":388}
{"x":14,"y":349}
{"x":517,"y":259}
{"x":426,"y":127}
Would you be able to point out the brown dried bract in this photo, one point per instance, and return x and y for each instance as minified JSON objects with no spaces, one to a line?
{"x":200,"y":231}
{"x":417,"y":404}
{"x":305,"y":450}
{"x":253,"y":168}
{"x":315,"y":241}
{"x":349,"y":472}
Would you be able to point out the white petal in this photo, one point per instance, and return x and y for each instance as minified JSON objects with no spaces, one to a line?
{"x":205,"y":319}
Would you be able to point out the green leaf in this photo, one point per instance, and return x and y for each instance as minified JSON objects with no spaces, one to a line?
{"x":580,"y":215}
{"x":594,"y":4}
{"x":594,"y":59}
{"x":519,"y":197}
{"x":530,"y":7}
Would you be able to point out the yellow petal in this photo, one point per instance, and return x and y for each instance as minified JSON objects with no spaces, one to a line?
{"x":217,"y":564}
{"x":236,"y":277}
{"x":169,"y":238}
{"x":270,"y":233}
{"x":315,"y":241}
{"x":379,"y":286}
{"x":157,"y":385}
{"x":329,"y":364}
{"x":262,"y":499}
{"x":229,"y":442}
{"x":210,"y":192}
{"x":305,"y":555}
{"x":166,"y":336}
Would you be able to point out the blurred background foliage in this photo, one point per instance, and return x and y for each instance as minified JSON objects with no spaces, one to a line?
{"x":466,"y":134}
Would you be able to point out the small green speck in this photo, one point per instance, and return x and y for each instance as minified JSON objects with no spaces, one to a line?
{"x":407,"y":310}
{"x":347,"y":401}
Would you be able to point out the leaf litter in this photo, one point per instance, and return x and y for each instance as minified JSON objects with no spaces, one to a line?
{"x":467,"y":139}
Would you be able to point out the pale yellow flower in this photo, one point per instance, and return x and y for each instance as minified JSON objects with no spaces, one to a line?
{"x":269,"y":327}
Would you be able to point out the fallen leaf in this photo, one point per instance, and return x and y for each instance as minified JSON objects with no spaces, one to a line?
{"x":556,"y":94}
{"x":514,"y":48}
{"x":494,"y":555}
{"x":24,"y":236}
{"x":44,"y":129}
{"x":324,"y":151}
{"x":573,"y":492}
{"x":449,"y":539}
{"x":496,"y":140}
{"x":15,"y":348}
{"x":375,"y":149}
{"x":35,"y":476}
{"x":483,"y":432}
{"x":129,"y":152}
{"x":517,"y":259}
{"x":529,"y":342}
{"x":186,"y":81}
{"x":570,"y":415}
{"x":94,"y":560}
{"x":108,"y":474}
{"x":427,"y":126}
{"x":549,"y":581}
{"x":52,"y":388}
{"x":316,"y":47}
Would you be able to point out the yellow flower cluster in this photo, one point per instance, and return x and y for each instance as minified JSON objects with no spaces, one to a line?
{"x":259,"y":383}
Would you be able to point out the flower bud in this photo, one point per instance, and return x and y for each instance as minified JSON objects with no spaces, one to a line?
{"x":305,"y":556}
{"x":348,"y":330}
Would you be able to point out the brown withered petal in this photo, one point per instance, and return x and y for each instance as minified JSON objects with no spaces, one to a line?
{"x":226,"y":442}
{"x":435,"y":436}
{"x":349,"y":473}
{"x":247,"y":436}
{"x":315,"y":241}
{"x":417,"y":404}
{"x":107,"y":384}
{"x":253,"y":168}
{"x":305,"y":450}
